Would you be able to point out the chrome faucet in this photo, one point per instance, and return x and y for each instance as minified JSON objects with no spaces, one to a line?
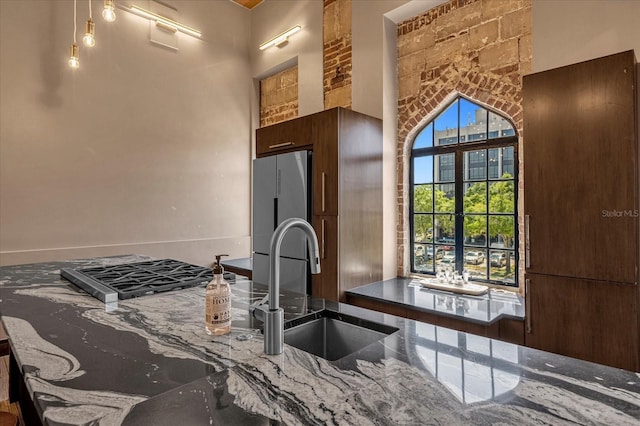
{"x":272,"y":315}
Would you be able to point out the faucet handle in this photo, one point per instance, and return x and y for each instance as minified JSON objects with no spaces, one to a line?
{"x":257,"y":309}
{"x":262,"y":301}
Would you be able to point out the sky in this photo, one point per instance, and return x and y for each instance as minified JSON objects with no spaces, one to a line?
{"x":448,"y":119}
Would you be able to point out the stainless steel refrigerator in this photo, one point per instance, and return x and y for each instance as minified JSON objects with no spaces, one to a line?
{"x":281,"y":191}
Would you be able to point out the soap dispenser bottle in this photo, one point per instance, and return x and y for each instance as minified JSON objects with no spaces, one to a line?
{"x":218,"y":302}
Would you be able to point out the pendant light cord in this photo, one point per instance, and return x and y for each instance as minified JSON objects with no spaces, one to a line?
{"x":90,"y":17}
{"x":74,"y":21}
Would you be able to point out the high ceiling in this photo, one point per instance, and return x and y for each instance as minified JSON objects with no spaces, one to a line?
{"x":249,"y":4}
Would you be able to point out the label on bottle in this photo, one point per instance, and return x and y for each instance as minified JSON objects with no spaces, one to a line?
{"x":217,"y":310}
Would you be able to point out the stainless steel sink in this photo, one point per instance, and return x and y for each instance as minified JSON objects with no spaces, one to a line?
{"x":332,"y":335}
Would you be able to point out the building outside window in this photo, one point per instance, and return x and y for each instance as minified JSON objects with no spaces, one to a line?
{"x":463,"y":175}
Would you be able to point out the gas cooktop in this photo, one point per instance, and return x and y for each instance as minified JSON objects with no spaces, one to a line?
{"x":110,"y":283}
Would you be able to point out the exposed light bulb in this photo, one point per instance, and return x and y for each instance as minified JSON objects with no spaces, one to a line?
{"x":89,"y":39}
{"x":109,"y":11}
{"x":74,"y":62}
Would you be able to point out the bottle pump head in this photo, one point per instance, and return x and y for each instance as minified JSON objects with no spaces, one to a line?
{"x":217,"y":268}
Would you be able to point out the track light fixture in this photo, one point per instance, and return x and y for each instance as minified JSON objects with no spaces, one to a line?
{"x":164,"y":22}
{"x":281,"y":39}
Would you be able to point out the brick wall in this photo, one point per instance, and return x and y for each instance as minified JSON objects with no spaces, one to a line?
{"x":279,"y":97}
{"x":478,"y":48}
{"x":337,"y":53}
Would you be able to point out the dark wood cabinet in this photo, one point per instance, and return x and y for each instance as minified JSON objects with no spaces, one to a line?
{"x":581,"y":210}
{"x":346,"y":193}
{"x":324,"y":284}
{"x":325,"y":164}
{"x":586,"y":319}
{"x":292,"y":135}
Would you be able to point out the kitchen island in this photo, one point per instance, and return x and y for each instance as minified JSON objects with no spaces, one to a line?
{"x":150,"y":362}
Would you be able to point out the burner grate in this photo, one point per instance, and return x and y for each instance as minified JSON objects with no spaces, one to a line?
{"x":109,"y":283}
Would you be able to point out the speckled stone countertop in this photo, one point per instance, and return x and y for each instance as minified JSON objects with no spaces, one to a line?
{"x":484,"y":309}
{"x":150,"y":362}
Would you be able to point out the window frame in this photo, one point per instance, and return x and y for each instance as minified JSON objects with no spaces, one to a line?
{"x":458,"y":150}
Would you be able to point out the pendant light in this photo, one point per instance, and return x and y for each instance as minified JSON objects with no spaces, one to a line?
{"x":109,"y":11}
{"x":74,"y":61}
{"x":89,"y":38}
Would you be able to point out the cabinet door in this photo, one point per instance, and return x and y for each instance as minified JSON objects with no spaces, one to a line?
{"x":592,"y":320}
{"x":325,"y":163}
{"x":291,"y":135}
{"x":579,"y":168}
{"x":326,"y":283}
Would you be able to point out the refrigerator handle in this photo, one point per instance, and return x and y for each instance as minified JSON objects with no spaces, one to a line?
{"x":275,"y":213}
{"x":527,"y":305}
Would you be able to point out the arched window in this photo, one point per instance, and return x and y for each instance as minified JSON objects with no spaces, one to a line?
{"x":463,"y":184}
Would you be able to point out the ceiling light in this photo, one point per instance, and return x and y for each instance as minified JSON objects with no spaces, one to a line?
{"x":281,"y":39}
{"x":74,"y":61}
{"x":89,"y":39}
{"x":165,"y":23}
{"x":109,"y":11}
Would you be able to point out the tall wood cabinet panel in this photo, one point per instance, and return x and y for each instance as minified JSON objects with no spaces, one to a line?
{"x":586,"y":319}
{"x":579,"y":153}
{"x":581,"y":204}
{"x":346,"y":194}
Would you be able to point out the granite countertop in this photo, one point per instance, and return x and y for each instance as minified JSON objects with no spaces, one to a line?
{"x":151,"y":362}
{"x":484,"y":309}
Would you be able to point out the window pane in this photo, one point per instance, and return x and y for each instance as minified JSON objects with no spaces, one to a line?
{"x":423,"y":169}
{"x":473,"y":122}
{"x":446,"y":126}
{"x":475,"y":197}
{"x":502,"y":265}
{"x":448,"y":259}
{"x":445,"y":198}
{"x":424,"y":138}
{"x":423,"y":198}
{"x":444,"y":229}
{"x":502,"y":231}
{"x":501,"y":164}
{"x":421,"y":260}
{"x":423,"y":228}
{"x":475,"y":230}
{"x":499,"y":127}
{"x":501,"y":197}
{"x":475,"y":261}
{"x":445,"y":167}
{"x":475,"y":165}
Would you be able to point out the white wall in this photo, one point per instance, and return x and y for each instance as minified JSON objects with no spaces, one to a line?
{"x":567,"y":32}
{"x":374,"y":72}
{"x":273,"y":17}
{"x":367,"y":37}
{"x":142,"y":150}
